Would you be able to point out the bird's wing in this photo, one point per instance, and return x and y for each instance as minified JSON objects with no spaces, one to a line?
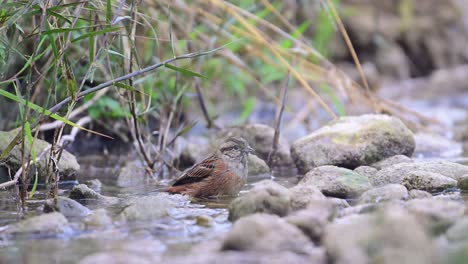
{"x":200,"y":171}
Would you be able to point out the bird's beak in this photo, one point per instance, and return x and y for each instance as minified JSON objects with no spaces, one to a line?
{"x":249,"y":149}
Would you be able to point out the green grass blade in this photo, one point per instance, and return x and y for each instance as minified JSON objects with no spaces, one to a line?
{"x":184,"y":71}
{"x":34,"y":187}
{"x":95,"y":33}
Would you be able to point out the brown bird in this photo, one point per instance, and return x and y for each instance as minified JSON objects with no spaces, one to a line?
{"x":223,"y":173}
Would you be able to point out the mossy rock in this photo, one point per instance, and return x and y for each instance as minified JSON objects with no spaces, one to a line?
{"x":67,"y":165}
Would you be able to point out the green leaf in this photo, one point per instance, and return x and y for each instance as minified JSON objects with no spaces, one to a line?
{"x":63,"y":30}
{"x":34,"y":187}
{"x":108,"y":11}
{"x":97,"y":32}
{"x":128,"y":87}
{"x":184,"y":71}
{"x":30,"y":139}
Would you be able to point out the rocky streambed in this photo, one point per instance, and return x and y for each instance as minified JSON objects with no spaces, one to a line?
{"x":360,"y":197}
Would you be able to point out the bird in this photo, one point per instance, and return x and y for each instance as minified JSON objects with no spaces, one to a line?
{"x":222,"y":173}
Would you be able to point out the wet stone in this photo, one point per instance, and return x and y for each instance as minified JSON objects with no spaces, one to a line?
{"x":463,"y":182}
{"x":94,"y":184}
{"x":384,"y":193}
{"x":257,"y":166}
{"x":336,"y":182}
{"x":427,"y":181}
{"x":46,"y":223}
{"x":265,"y":197}
{"x":66,"y":206}
{"x":416,"y":194}
{"x":148,"y":208}
{"x":391,"y":161}
{"x":86,"y":195}
{"x":303,"y":195}
{"x":266,"y":233}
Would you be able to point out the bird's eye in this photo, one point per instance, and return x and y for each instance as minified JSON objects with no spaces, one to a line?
{"x":236,"y":147}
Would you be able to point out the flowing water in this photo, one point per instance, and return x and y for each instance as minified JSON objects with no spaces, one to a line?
{"x":173,"y":235}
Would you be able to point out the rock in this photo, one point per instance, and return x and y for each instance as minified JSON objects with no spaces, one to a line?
{"x":358,"y":209}
{"x":85,"y":195}
{"x":67,"y":165}
{"x":433,"y":145}
{"x":148,"y":208}
{"x":318,"y":256}
{"x":353,"y":141}
{"x":303,"y":195}
{"x":115,"y":257}
{"x":458,"y":232}
{"x":132,"y":174}
{"x":339,"y":203}
{"x":384,"y":193}
{"x":98,"y":219}
{"x":463,"y":182}
{"x":312,"y":220}
{"x":46,"y":223}
{"x":436,"y":214}
{"x":66,"y":206}
{"x":257,"y":166}
{"x":396,"y":173}
{"x":266,"y":233}
{"x":389,"y":235}
{"x":260,"y":137}
{"x":427,"y":181}
{"x":336,"y":182}
{"x":204,"y":220}
{"x":265,"y":197}
{"x":192,"y":153}
{"x":94,"y":184}
{"x":366,"y":171}
{"x":415,"y":194}
{"x":391,"y":161}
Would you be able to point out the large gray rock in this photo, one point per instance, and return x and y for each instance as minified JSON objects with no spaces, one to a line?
{"x":384,"y":193}
{"x":66,"y":206}
{"x":67,"y":165}
{"x":148,"y":208}
{"x":46,"y":223}
{"x":266,"y":233}
{"x":396,"y":173}
{"x":313,"y":219}
{"x":265,"y":197}
{"x":352,"y":142}
{"x":303,"y":195}
{"x":391,"y":161}
{"x":86,"y":195}
{"x":260,"y":137}
{"x":390,"y":235}
{"x":436,"y":214}
{"x":428,"y":181}
{"x":336,"y":182}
